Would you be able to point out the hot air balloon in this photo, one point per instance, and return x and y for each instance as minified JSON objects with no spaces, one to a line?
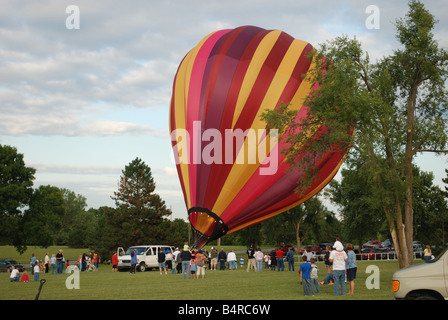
{"x":230,"y":167}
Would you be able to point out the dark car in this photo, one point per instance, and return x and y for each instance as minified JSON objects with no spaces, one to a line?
{"x":7,"y":265}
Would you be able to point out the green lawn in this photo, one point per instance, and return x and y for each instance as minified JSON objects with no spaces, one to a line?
{"x":217,"y":285}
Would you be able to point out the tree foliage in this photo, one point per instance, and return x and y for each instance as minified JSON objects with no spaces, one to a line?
{"x":16,"y":182}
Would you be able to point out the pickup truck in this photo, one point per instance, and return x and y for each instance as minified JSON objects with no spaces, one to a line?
{"x":425,"y":281}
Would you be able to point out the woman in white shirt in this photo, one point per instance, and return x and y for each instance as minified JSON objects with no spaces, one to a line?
{"x":338,"y":258}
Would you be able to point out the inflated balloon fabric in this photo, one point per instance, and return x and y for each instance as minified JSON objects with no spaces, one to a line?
{"x":230,"y":167}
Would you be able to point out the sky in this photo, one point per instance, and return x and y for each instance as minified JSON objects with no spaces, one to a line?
{"x":83,"y":93}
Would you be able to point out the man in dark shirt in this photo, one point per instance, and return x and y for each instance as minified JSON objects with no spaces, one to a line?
{"x":250,"y":258}
{"x":59,"y":261}
{"x":185,"y":255}
{"x":161,"y":260}
{"x":222,"y":257}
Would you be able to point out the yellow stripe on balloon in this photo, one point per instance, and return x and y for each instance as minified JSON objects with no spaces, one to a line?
{"x":180,"y":95}
{"x":240,"y":174}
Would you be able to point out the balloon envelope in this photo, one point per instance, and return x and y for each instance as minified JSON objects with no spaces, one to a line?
{"x":230,"y":167}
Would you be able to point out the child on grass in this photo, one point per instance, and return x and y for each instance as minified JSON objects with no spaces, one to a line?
{"x":305,"y":277}
{"x":36,"y":270}
{"x":314,"y":275}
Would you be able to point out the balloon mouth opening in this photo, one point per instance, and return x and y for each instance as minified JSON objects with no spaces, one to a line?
{"x":207,"y":226}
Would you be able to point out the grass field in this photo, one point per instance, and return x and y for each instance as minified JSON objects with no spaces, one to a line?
{"x":217,"y":285}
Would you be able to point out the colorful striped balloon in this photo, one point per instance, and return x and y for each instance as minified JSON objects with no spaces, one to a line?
{"x":231,"y":170}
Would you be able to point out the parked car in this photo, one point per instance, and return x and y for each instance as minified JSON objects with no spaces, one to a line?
{"x":424,"y":281}
{"x":386,"y":244}
{"x":146,"y":256}
{"x":372,"y":243}
{"x":374,"y":254}
{"x":324,"y":245}
{"x":7,"y":265}
{"x":418,"y":250}
{"x":285,"y":248}
{"x":313,"y":248}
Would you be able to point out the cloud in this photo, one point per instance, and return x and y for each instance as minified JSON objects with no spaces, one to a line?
{"x":113,"y":77}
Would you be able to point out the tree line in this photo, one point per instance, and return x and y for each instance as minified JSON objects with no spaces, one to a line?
{"x":48,"y":215}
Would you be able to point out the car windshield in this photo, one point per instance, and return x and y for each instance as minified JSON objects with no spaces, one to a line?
{"x":438,"y":257}
{"x":138,"y":250}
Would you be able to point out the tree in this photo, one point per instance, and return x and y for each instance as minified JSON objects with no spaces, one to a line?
{"x":43,"y":219}
{"x":431,"y":210}
{"x":307,"y":221}
{"x":360,"y":212}
{"x":74,"y":212}
{"x":16,"y":182}
{"x":139,"y":214}
{"x":136,"y":189}
{"x":445,"y":180}
{"x":396,"y":106}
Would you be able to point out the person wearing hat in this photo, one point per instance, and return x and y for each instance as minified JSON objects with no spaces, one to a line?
{"x":338,"y":257}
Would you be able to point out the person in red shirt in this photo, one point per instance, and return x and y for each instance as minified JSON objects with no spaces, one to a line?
{"x":280,"y":264}
{"x":114,"y":262}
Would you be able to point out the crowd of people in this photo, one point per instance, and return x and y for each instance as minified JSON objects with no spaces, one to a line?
{"x":190,"y":263}
{"x":55,"y":264}
{"x":341,"y":268}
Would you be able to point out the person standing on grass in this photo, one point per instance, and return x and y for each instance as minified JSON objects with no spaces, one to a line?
{"x":213,"y":258}
{"x":185,"y":256}
{"x":200,"y":263}
{"x":161,"y":257}
{"x":314,"y":275}
{"x":280,"y":264}
{"x":305,"y":277}
{"x":259,"y":259}
{"x":338,"y":258}
{"x":59,"y":262}
{"x":290,"y":259}
{"x":36,"y":270}
{"x":231,"y":259}
{"x":33,"y":262}
{"x":133,"y":261}
{"x":222,"y":258}
{"x":96,"y":261}
{"x":114,"y":262}
{"x":250,"y":259}
{"x":47,"y":262}
{"x":53,"y":263}
{"x":169,"y":260}
{"x":351,"y":267}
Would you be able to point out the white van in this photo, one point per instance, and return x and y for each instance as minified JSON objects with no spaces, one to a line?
{"x":146,"y":256}
{"x":423,"y":281}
